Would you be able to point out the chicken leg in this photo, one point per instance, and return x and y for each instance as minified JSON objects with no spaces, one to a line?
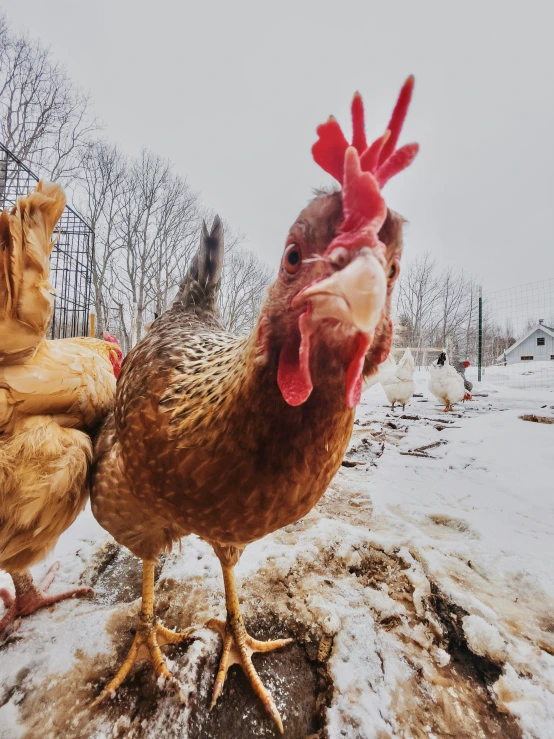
{"x":239,"y":646}
{"x":150,"y":636}
{"x":28,"y":598}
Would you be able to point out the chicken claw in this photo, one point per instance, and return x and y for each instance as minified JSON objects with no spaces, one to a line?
{"x":28,"y":598}
{"x":150,"y":636}
{"x":238,"y":648}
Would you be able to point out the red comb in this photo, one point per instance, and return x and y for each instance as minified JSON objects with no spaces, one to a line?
{"x":109,"y":338}
{"x":364,"y":210}
{"x":381,"y":158}
{"x":362,"y":170}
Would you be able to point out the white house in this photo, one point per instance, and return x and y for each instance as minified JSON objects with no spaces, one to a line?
{"x":536,"y":346}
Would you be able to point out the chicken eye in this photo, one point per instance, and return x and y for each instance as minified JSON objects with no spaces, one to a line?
{"x":292,"y":258}
{"x":394,"y":271}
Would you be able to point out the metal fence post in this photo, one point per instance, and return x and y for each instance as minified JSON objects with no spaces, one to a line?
{"x":480,"y":350}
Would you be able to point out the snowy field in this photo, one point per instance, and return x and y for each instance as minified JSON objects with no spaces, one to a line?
{"x":420,"y":593}
{"x":523,"y":375}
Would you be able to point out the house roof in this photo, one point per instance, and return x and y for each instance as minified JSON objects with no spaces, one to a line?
{"x":541,"y":326}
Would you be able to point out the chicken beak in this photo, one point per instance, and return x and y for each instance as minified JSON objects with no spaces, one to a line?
{"x":354,"y":295}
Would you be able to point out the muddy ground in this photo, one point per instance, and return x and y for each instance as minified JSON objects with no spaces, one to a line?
{"x":375,"y":634}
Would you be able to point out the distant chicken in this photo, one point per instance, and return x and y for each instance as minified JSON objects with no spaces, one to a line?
{"x":398,"y":384}
{"x":461,"y":369}
{"x":50,"y":393}
{"x":446,"y":384}
{"x":388,"y":366}
{"x":231,"y":437}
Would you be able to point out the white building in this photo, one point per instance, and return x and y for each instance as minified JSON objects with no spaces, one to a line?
{"x":536,"y":346}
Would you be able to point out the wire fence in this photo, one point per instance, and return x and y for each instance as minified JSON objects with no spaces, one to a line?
{"x":71,"y":258}
{"x":518,"y":336}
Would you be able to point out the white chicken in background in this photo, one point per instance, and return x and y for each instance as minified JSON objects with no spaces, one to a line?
{"x":388,"y":366}
{"x":446,"y":384}
{"x":398,"y":382}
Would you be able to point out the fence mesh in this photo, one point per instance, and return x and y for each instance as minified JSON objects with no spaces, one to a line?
{"x":518,"y":336}
{"x":71,"y":259}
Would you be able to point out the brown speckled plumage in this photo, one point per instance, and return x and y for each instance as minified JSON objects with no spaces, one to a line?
{"x":232,"y":438}
{"x":202,"y":441}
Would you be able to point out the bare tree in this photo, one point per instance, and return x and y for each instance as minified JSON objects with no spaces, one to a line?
{"x":244,"y":283}
{"x":157,"y":225}
{"x":177,"y":238}
{"x":102,"y":185}
{"x":417,"y":295}
{"x":438,"y":308}
{"x":44,"y":118}
{"x":145,"y":218}
{"x":451,"y":307}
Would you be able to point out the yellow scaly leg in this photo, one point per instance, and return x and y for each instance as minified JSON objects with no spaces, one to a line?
{"x":239,"y":646}
{"x":149,"y":638}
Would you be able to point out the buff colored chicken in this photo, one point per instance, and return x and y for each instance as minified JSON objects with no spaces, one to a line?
{"x":26,"y":296}
{"x":51,"y":393}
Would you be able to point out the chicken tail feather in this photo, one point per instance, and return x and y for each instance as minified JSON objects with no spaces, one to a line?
{"x":26,"y":296}
{"x":200,"y":287}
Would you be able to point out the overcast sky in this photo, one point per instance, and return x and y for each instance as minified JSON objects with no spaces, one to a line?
{"x":232,"y":93}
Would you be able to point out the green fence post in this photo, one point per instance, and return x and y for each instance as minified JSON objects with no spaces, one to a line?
{"x":480,"y":355}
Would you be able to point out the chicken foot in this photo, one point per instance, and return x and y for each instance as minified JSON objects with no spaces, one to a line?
{"x":28,"y":598}
{"x":239,"y":646}
{"x":149,"y":637}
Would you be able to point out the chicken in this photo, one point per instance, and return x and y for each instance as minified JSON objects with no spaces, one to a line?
{"x":51,"y":393}
{"x":26,"y":296}
{"x":231,"y":438}
{"x":461,"y":370}
{"x":389,"y":365}
{"x":445,"y":383}
{"x":398,"y":383}
{"x":73,"y":380}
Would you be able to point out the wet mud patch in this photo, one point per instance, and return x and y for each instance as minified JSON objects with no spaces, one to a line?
{"x":440,"y":526}
{"x":537,"y":419}
{"x":296,"y":676}
{"x":476,"y":674}
{"x":362,"y":452}
{"x":451,"y":691}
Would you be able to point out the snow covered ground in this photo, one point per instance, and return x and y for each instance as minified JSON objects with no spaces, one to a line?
{"x":420,"y":593}
{"x":523,"y":375}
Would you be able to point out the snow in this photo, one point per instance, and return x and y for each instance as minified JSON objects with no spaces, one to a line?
{"x":523,"y":375}
{"x":409,"y":566}
{"x":483,"y":638}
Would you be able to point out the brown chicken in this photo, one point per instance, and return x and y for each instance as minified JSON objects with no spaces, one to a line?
{"x":51,"y":392}
{"x":231,"y":438}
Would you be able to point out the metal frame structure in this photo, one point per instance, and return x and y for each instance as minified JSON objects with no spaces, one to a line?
{"x":71,"y":258}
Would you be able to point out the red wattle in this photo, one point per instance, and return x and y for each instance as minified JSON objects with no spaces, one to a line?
{"x":354,"y":371}
{"x":293,"y":373}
